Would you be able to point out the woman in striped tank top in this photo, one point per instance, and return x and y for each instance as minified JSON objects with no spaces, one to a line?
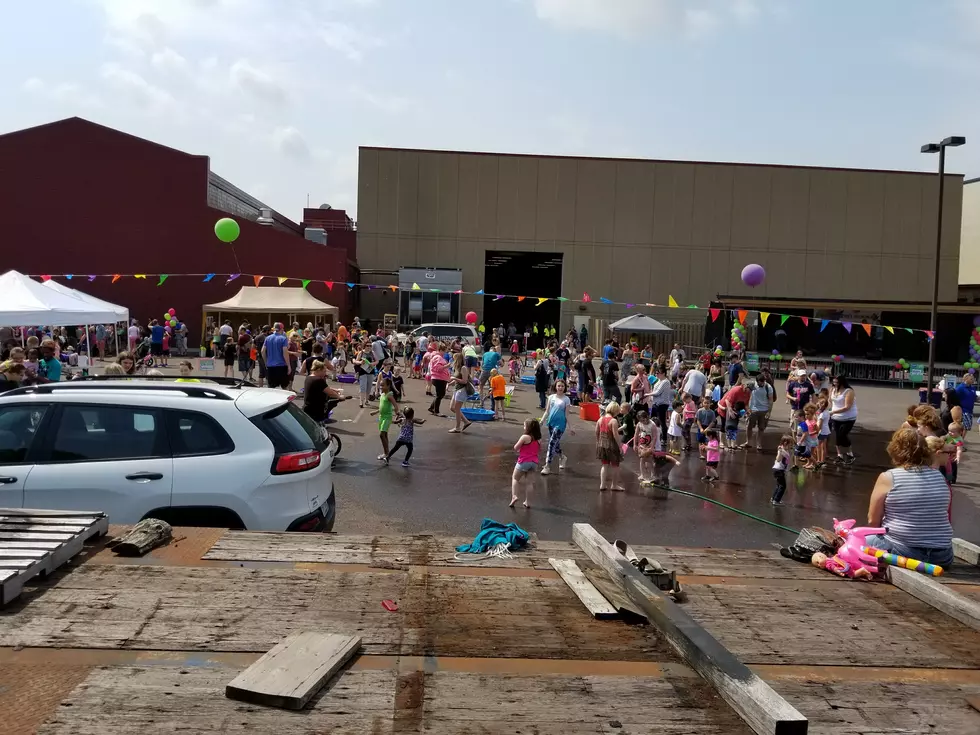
{"x":912,"y":502}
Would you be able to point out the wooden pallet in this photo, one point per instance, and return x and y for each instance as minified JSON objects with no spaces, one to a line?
{"x":36,"y":542}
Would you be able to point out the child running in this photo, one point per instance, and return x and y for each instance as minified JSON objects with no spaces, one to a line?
{"x":387,"y":406}
{"x":712,"y":453}
{"x":675,"y":427}
{"x":556,"y":419}
{"x":645,"y":438}
{"x":783,"y":454}
{"x":498,"y":388}
{"x":527,"y":449}
{"x":406,"y":437}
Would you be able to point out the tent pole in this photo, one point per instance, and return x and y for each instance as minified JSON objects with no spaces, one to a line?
{"x":115,"y":328}
{"x":88,"y":346}
{"x":22,"y":330}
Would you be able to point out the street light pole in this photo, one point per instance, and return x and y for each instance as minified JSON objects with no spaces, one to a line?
{"x":934,"y":315}
{"x":940,"y":148}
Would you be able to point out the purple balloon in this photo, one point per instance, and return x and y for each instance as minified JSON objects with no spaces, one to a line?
{"x":976,"y":321}
{"x":754,"y":274}
{"x":972,"y":371}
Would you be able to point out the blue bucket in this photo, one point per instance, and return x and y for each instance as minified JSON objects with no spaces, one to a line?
{"x":527,"y":379}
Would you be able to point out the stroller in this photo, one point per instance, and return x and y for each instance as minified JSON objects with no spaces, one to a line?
{"x":142,"y":356}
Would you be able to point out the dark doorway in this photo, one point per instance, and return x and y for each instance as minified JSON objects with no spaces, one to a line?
{"x":522,"y":274}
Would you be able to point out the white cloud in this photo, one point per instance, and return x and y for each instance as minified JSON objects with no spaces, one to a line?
{"x":391,"y":104}
{"x":636,"y":18}
{"x":288,"y":141}
{"x":169,"y":61}
{"x":347,"y":40}
{"x":146,"y":96}
{"x":64,"y":94}
{"x":257,"y":83}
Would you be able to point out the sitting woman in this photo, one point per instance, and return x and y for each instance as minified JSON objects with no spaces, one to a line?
{"x":912,"y":501}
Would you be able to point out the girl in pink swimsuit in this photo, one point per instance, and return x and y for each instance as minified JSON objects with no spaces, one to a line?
{"x":527,"y":448}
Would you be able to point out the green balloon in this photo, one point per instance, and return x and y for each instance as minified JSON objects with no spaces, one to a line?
{"x":227,"y":230}
{"x":975,"y":364}
{"x":967,"y":365}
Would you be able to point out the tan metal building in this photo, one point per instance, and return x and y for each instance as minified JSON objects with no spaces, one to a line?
{"x":970,"y":239}
{"x":640,"y":230}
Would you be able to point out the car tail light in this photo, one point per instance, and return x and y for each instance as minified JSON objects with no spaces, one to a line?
{"x":297,"y":462}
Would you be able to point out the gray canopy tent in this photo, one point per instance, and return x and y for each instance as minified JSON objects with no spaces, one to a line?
{"x":639,"y":323}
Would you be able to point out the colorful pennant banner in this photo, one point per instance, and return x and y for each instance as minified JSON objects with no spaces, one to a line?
{"x":740,"y":314}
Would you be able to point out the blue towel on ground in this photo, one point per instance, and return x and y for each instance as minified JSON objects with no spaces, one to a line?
{"x":492,"y":533}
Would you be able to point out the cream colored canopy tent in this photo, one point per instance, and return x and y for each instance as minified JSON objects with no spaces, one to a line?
{"x":272,"y":303}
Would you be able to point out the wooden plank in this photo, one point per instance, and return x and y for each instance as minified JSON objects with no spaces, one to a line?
{"x":940,"y":596}
{"x":759,"y":706}
{"x":48,"y":513}
{"x":614,"y":593}
{"x":47,"y":520}
{"x":594,"y":602}
{"x":25,"y":536}
{"x":19,"y":553}
{"x":40,"y":528}
{"x":294,"y":670}
{"x":965,"y":551}
{"x":19,"y":563}
{"x":47,"y":545}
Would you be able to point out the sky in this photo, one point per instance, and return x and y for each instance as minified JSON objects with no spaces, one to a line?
{"x":280,"y":93}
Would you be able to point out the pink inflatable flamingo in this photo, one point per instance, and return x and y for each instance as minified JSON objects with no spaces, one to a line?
{"x":850,"y":553}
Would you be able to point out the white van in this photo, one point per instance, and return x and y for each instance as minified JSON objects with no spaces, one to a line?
{"x":447,"y":333}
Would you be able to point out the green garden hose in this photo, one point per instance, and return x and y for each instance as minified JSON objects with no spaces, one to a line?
{"x":734,"y":510}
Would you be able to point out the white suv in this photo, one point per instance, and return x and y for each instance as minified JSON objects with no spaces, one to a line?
{"x":189,"y":453}
{"x":447,"y":333}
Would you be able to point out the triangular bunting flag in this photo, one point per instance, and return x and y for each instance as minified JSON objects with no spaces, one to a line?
{"x":671,"y":302}
{"x":742,"y":313}
{"x":847,"y":326}
{"x":116,"y":278}
{"x":232,"y":277}
{"x":824,"y":323}
{"x":306,"y":282}
{"x":541,"y":300}
{"x":586,"y":298}
{"x":163,"y":277}
{"x":438,"y":290}
{"x":908,"y":330}
{"x":479,"y":293}
{"x":630,"y":306}
{"x":370,"y":287}
{"x":497,"y":297}
{"x":891,"y":330}
{"x":91,"y":278}
{"x":350,"y":285}
{"x":393,"y":288}
{"x":521,"y":298}
{"x":714,"y":314}
{"x":416,"y":287}
{"x":282,"y":280}
{"x":604,"y":300}
{"x":867,"y":328}
{"x":764,"y":316}
{"x":693,"y":306}
{"x":806,"y":321}
{"x":930,"y":334}
{"x":783,"y":318}
{"x":208,"y":277}
{"x":68,"y":276}
{"x":562,"y":298}
{"x":257,"y":279}
{"x":459,"y":291}
{"x":329,"y":285}
{"x":140,"y":275}
{"x":45,"y":278}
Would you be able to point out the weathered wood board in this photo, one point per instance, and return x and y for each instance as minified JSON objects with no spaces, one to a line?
{"x":594,"y":602}
{"x":294,"y":670}
{"x":966,"y":551}
{"x":944,"y":598}
{"x":161,"y":700}
{"x":237,"y":609}
{"x":615,"y":594}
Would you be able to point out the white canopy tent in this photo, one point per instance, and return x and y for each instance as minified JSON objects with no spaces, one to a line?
{"x":118,"y":313}
{"x":639,"y":323}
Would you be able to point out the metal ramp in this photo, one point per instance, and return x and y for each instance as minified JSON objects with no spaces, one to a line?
{"x":36,"y":542}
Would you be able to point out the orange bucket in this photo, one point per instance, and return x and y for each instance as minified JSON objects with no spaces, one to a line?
{"x":588,"y":411}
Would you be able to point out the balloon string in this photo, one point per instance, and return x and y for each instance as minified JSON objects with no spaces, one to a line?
{"x":238,"y":267}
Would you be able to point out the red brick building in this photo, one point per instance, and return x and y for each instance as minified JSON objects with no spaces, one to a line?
{"x":81,"y":198}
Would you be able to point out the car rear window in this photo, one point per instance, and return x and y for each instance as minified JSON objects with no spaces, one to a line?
{"x":289,"y":429}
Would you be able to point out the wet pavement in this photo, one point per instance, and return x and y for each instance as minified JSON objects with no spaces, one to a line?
{"x":456,"y":480}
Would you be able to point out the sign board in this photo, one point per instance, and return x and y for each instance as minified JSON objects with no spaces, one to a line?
{"x":917,"y":372}
{"x":391,"y":322}
{"x":206,"y":365}
{"x":751,"y":362}
{"x":951,"y":381}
